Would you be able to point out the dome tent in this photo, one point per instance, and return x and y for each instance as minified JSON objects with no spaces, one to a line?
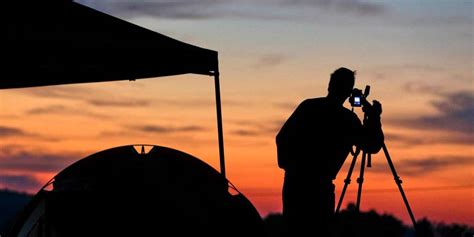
{"x":120,"y":192}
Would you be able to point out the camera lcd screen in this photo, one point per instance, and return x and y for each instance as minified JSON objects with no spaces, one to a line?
{"x":356,"y":100}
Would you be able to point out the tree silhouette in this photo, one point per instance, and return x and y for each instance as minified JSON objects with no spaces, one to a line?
{"x":350,"y":222}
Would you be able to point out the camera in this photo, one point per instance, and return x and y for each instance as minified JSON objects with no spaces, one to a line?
{"x":357,"y":97}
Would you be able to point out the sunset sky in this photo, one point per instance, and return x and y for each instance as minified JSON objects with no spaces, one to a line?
{"x":418,"y":57}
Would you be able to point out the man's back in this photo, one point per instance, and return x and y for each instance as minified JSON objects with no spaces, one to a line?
{"x":317,"y":138}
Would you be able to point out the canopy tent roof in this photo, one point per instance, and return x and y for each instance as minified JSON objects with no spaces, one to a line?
{"x":56,"y":42}
{"x":61,"y":42}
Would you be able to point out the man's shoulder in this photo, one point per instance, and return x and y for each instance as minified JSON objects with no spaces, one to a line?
{"x":314,"y":101}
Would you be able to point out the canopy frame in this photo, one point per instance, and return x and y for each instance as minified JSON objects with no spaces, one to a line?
{"x":36,"y":35}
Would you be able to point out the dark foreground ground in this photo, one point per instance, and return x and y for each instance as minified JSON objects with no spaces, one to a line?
{"x":349,"y":222}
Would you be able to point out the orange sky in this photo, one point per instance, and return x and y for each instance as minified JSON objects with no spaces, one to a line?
{"x":269,"y":63}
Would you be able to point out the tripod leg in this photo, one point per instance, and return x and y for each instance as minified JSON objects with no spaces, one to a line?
{"x":399,"y":184}
{"x":360,"y":180}
{"x":347,"y":181}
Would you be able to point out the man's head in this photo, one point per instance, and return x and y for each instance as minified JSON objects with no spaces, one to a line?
{"x":341,"y":84}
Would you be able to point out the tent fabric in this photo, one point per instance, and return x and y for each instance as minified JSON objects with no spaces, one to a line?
{"x":62,"y":42}
{"x":120,"y":192}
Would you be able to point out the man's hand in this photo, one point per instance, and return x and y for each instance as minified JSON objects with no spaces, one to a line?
{"x":373,"y":110}
{"x":376,"y":109}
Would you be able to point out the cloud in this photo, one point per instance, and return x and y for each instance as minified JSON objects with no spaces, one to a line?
{"x":246,"y":132}
{"x":166,"y":129}
{"x":16,"y":132}
{"x":62,"y":92}
{"x":52,"y":109}
{"x":343,"y":6}
{"x":270,"y":60}
{"x":419,"y":167}
{"x":444,"y":20}
{"x":19,"y":182}
{"x":118,"y":103}
{"x":207,"y":9}
{"x":91,"y":96}
{"x":135,"y":130}
{"x":250,"y":129}
{"x":27,"y":161}
{"x":103,"y":98}
{"x":184,"y":9}
{"x":455,"y":114}
{"x":10,"y":131}
{"x":66,"y":110}
{"x":458,"y":139}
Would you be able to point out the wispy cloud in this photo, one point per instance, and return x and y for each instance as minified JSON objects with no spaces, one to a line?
{"x":65,"y":110}
{"x":58,"y":92}
{"x":19,"y":160}
{"x":91,"y":96}
{"x":419,"y":167}
{"x":6,"y":132}
{"x":254,"y":129}
{"x":458,"y":139}
{"x":166,"y":129}
{"x":343,"y":6}
{"x":207,"y":9}
{"x":455,"y":114}
{"x":19,"y":182}
{"x":11,"y":131}
{"x":118,"y":103}
{"x":183,"y":9}
{"x":98,"y":98}
{"x":270,"y":60}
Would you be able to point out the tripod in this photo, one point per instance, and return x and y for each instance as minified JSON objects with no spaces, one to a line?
{"x":360,"y":180}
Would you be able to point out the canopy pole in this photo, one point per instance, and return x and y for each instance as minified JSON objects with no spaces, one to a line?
{"x":219,"y":123}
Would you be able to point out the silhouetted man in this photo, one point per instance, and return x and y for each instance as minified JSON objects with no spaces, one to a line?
{"x":312,"y":146}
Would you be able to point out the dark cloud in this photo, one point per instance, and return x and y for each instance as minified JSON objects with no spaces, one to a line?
{"x":251,"y":129}
{"x":94,"y":97}
{"x":458,"y":139}
{"x":166,"y":129}
{"x":184,"y":9}
{"x":53,"y":109}
{"x":343,"y":6}
{"x":19,"y":182}
{"x":246,"y":132}
{"x":28,"y":161}
{"x":118,"y":103}
{"x":419,"y":167}
{"x":206,"y":9}
{"x":103,"y":98}
{"x":455,"y":114}
{"x":66,"y":110}
{"x":10,"y":131}
{"x":17,"y":132}
{"x":270,"y":60}
{"x":62,"y":92}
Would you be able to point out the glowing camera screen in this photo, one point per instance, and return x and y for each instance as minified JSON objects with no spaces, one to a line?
{"x":357,"y":100}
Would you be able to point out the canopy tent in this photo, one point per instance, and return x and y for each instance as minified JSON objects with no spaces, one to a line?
{"x":59,"y":42}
